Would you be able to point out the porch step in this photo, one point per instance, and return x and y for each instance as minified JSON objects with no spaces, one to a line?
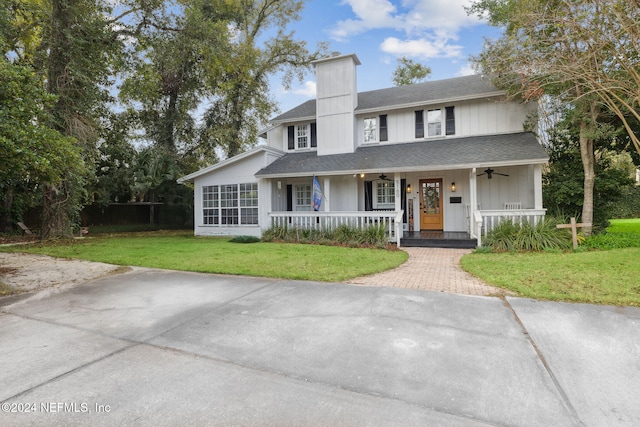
{"x":439,"y":243}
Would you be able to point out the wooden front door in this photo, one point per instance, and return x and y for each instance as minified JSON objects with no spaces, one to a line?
{"x":431,"y":204}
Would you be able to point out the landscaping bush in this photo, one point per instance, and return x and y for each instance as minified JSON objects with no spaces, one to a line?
{"x":521,"y":237}
{"x":343,"y":235}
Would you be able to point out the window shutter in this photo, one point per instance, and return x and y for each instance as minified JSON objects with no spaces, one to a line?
{"x":403,"y":199}
{"x":289,"y":198}
{"x":450,"y":121}
{"x":368,"y":195}
{"x":291,"y":135}
{"x":314,"y":136}
{"x":419,"y":124}
{"x":383,"y":127}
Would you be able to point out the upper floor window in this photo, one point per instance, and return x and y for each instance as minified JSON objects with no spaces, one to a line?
{"x":371,"y":129}
{"x":434,"y":122}
{"x":437,"y":121}
{"x":375,"y":129}
{"x":302,"y":136}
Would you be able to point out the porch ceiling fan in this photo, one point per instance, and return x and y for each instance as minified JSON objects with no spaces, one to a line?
{"x":383,"y":177}
{"x":490,"y":172}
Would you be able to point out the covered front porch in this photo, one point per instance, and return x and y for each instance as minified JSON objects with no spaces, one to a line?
{"x":440,"y":208}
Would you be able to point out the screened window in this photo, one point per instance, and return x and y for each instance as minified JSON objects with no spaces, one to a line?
{"x":233,"y":204}
{"x":249,"y":203}
{"x":371,"y":129}
{"x":210,"y":204}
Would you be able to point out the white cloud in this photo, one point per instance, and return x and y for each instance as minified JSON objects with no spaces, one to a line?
{"x":466,"y":70}
{"x":308,"y":89}
{"x":421,"y":48}
{"x":429,"y":25}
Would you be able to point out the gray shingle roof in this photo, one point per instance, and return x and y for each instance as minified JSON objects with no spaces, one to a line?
{"x":395,"y":97}
{"x":449,"y":153}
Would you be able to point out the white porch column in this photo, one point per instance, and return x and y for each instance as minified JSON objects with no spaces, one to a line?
{"x":396,"y":184}
{"x":473,"y":197}
{"x":265,"y":192}
{"x":537,"y":186}
{"x":326,"y":191}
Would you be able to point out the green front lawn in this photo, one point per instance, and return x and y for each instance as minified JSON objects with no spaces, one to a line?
{"x":590,"y":276}
{"x":182,"y":251}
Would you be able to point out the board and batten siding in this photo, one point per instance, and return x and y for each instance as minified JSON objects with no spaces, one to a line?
{"x":472,"y":118}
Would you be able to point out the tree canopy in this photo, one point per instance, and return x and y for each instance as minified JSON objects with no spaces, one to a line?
{"x":409,"y":72}
{"x":123,"y":84}
{"x":583,"y":53}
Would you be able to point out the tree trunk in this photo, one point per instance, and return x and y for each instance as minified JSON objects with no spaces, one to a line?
{"x":588,"y":166}
{"x":6,"y":219}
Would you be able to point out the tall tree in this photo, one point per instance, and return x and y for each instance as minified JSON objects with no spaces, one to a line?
{"x":260,"y":48}
{"x":543,"y":43}
{"x":33,"y":154}
{"x":409,"y":72}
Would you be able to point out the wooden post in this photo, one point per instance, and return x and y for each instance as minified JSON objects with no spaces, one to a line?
{"x":574,"y":229}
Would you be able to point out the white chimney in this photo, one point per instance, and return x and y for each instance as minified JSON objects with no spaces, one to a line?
{"x":336,"y":101}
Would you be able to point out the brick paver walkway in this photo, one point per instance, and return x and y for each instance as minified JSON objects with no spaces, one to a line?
{"x":431,"y":269}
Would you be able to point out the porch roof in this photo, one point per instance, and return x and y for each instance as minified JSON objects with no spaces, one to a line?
{"x":449,"y":153}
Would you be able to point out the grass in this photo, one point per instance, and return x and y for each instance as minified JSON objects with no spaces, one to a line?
{"x":624,"y":226}
{"x":182,"y":251}
{"x":607,"y":273}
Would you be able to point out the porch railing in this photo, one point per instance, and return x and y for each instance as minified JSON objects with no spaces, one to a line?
{"x":485,"y":221}
{"x":391,"y":221}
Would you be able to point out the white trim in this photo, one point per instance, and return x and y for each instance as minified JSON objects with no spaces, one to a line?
{"x":191,"y":177}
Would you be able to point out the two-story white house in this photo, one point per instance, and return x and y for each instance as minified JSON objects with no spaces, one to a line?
{"x":437,"y":163}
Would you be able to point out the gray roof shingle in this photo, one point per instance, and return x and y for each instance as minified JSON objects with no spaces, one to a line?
{"x":395,"y":97}
{"x":449,"y":153}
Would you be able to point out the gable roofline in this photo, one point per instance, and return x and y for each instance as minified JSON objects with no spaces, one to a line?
{"x":430,"y":102}
{"x":444,"y":91}
{"x":191,"y":177}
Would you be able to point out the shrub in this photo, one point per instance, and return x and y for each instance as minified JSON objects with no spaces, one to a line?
{"x":343,"y":235}
{"x":525,"y":236}
{"x":612,"y":241}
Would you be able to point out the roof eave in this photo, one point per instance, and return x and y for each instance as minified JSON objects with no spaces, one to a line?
{"x":504,"y":163}
{"x":430,"y":102}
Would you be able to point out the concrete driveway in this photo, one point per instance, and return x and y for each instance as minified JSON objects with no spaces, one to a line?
{"x":153,"y":347}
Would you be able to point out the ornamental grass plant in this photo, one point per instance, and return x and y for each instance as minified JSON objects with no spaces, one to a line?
{"x":525,"y":236}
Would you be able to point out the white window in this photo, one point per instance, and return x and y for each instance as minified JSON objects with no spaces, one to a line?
{"x":302,"y":136}
{"x":371,"y":129}
{"x":434,"y":122}
{"x":303,"y":198}
{"x":385,"y":195}
{"x":233,"y":204}
{"x":210,"y":205}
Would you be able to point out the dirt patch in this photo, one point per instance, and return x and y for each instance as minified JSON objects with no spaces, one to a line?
{"x":28,"y":273}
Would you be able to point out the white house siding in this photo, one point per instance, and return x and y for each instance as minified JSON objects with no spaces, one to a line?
{"x":517,"y":187}
{"x":475,"y":117}
{"x":238,"y":172}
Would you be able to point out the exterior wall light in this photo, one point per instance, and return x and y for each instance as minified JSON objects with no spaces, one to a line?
{"x":408,"y":188}
{"x":453,"y":187}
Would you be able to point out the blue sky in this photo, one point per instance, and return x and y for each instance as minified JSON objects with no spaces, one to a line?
{"x":436,"y":33}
